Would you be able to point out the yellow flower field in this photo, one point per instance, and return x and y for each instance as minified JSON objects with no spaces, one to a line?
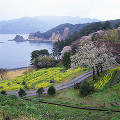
{"x":37,"y":79}
{"x":103,"y":81}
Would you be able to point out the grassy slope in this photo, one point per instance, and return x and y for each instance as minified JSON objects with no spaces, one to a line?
{"x":19,"y":109}
{"x":101,"y":98}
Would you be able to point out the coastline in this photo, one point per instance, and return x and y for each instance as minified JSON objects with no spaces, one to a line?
{"x":20,"y":68}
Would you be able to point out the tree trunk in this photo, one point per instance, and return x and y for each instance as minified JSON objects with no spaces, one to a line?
{"x":97,"y":71}
{"x":93,"y":70}
{"x":93,"y":73}
{"x":101,"y":69}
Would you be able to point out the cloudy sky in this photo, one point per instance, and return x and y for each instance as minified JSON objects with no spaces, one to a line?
{"x":101,"y":9}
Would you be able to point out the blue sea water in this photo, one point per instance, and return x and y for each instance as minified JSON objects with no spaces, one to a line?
{"x":17,"y":54}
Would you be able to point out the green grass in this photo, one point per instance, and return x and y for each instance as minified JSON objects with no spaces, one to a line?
{"x":103,"y":98}
{"x":18,"y":109}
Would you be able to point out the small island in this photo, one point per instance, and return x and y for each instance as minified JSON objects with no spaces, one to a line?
{"x":19,"y":38}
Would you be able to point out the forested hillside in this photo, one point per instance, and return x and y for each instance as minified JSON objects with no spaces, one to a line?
{"x":91,"y":28}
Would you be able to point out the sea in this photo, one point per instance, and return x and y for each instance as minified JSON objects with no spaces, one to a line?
{"x":17,"y":54}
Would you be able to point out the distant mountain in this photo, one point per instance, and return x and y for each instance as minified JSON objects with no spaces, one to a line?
{"x":27,"y":25}
{"x":64,"y":30}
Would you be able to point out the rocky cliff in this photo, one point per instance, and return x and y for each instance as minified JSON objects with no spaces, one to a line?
{"x":58,"y":33}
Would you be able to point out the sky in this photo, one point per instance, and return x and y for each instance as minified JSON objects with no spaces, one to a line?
{"x":100,"y":9}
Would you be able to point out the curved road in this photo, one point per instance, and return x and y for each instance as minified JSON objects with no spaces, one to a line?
{"x":60,"y":86}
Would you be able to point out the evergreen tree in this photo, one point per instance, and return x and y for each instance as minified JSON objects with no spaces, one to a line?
{"x":40,"y":91}
{"x":66,"y":61}
{"x":21,"y":92}
{"x":51,"y":90}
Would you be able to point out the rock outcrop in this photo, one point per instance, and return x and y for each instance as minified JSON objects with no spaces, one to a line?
{"x":58,"y":33}
{"x":19,"y":38}
{"x":55,"y":36}
{"x":32,"y":37}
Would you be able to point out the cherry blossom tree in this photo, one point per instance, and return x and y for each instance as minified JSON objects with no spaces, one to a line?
{"x":92,"y":56}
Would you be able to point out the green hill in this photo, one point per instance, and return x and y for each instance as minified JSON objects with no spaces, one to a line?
{"x":107,"y":98}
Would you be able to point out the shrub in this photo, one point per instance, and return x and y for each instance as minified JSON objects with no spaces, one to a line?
{"x":3,"y":92}
{"x":44,"y":62}
{"x":40,"y":91}
{"x":23,"y":83}
{"x":21,"y":92}
{"x":86,"y":89}
{"x":13,"y":97}
{"x":51,"y":90}
{"x":77,"y":85}
{"x":2,"y":97}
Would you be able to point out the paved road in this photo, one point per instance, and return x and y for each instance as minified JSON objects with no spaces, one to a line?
{"x":60,"y":86}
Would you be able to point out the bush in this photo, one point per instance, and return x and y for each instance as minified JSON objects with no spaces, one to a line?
{"x":21,"y":92}
{"x":13,"y":97}
{"x":77,"y":85}
{"x":86,"y":89}
{"x":51,"y":90}
{"x":44,"y":62}
{"x":40,"y":91}
{"x":3,"y":92}
{"x":23,"y":83}
{"x":2,"y":97}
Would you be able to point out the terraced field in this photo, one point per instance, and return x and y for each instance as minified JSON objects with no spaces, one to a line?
{"x":37,"y":79}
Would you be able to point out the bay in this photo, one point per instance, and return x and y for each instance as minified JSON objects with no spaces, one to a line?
{"x":17,"y":54}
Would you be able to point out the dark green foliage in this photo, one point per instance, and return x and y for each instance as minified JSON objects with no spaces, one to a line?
{"x":3,"y":92}
{"x":43,"y":52}
{"x":57,"y":48}
{"x":117,"y":25}
{"x":34,"y":54}
{"x":23,"y":83}
{"x":40,"y":91}
{"x":94,"y":78}
{"x":51,"y":90}
{"x":77,"y":85}
{"x":44,"y":62}
{"x":2,"y":97}
{"x":21,"y":92}
{"x":12,"y":97}
{"x":106,"y":25}
{"x":37,"y":53}
{"x":66,"y":61}
{"x":86,"y":89}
